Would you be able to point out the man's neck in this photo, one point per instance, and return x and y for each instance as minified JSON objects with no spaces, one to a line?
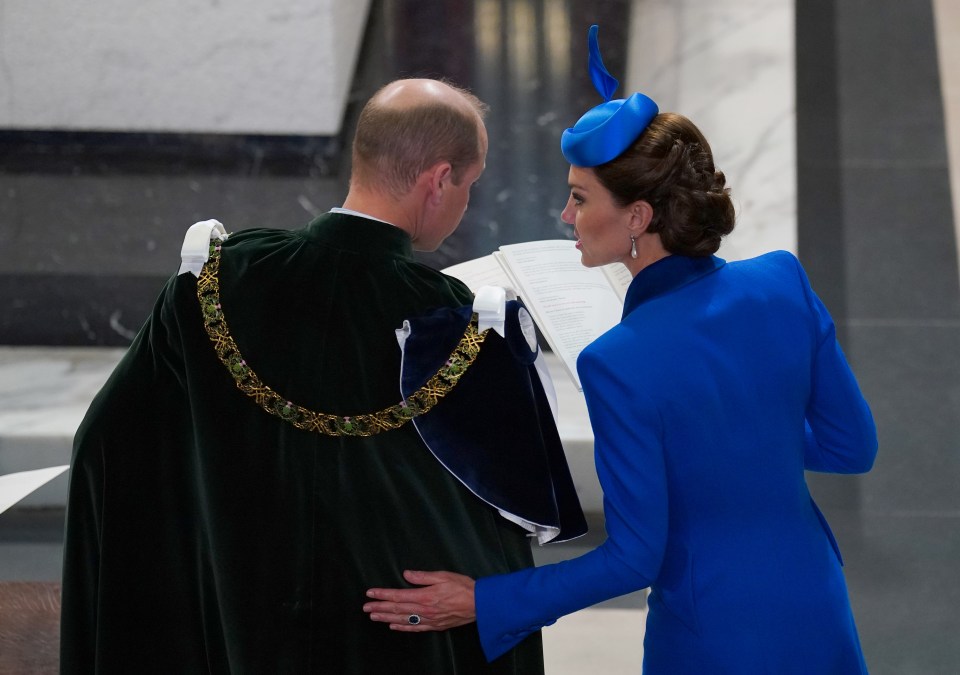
{"x":382,"y":207}
{"x":359,"y":214}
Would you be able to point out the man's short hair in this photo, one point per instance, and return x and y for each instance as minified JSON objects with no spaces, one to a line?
{"x":393,"y":145}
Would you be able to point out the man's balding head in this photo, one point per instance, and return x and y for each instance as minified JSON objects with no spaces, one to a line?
{"x":409,"y":93}
{"x":411,"y":125}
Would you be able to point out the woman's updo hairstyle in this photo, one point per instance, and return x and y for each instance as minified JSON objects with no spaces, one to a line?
{"x":670,"y":166}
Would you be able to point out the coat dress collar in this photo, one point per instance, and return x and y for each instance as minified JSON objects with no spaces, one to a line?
{"x":665,"y":275}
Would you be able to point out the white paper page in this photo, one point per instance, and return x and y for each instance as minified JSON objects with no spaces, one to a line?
{"x":572,"y":304}
{"x":485,"y":271}
{"x":16,"y":486}
{"x":619,"y":277}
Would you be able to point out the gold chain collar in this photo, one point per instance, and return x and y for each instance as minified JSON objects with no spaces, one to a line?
{"x":363,"y":424}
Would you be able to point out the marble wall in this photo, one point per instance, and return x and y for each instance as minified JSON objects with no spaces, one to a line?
{"x":122,"y":124}
{"x":728,"y":65}
{"x":282,"y":67}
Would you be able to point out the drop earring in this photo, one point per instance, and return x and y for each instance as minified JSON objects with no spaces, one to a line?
{"x":633,"y":247}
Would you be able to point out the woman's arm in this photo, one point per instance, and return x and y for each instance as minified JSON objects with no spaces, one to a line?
{"x":630,"y":466}
{"x":840,"y":433}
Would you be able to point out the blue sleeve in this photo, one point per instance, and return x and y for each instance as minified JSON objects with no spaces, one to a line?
{"x":630,"y":465}
{"x":840,"y":433}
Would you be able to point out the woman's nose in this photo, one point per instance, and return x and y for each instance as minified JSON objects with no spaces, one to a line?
{"x":567,"y":214}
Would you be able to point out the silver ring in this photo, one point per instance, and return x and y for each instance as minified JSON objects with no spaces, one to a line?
{"x":413,"y":619}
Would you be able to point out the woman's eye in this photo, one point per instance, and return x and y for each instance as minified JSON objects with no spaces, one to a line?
{"x":577,"y":199}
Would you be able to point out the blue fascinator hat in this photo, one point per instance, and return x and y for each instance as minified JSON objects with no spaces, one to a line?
{"x":605,"y":131}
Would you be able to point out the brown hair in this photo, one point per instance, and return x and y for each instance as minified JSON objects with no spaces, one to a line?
{"x":393,"y":144}
{"x":670,"y":166}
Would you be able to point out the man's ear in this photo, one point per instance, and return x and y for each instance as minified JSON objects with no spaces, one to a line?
{"x":438,"y":178}
{"x":641,"y":213}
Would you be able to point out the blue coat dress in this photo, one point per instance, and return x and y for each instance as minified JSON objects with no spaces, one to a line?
{"x":722,"y":383}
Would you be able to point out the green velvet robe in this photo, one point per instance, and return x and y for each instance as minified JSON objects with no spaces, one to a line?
{"x":205,"y":535}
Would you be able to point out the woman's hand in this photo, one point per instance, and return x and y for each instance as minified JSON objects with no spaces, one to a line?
{"x":444,"y":601}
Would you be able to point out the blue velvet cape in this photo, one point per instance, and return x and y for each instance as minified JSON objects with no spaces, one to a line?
{"x":495,"y":430}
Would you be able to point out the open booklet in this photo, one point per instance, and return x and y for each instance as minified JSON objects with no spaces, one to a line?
{"x":16,"y":486}
{"x":571,"y":304}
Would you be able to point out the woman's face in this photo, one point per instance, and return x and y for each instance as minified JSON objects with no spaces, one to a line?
{"x":599,"y":224}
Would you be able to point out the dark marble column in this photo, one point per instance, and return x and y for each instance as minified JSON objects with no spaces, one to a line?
{"x":876,"y":234}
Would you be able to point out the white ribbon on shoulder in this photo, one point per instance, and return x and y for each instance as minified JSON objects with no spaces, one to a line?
{"x":196,"y":245}
{"x":490,"y":306}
